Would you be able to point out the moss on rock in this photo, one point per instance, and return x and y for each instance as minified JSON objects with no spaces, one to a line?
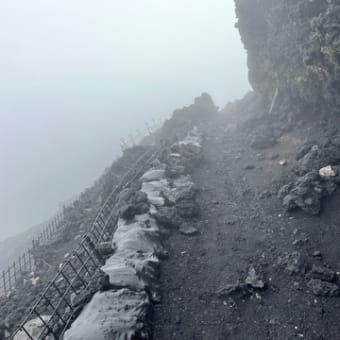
{"x":293,"y":46}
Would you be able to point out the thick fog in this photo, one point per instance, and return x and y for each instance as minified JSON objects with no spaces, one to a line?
{"x":76,"y":76}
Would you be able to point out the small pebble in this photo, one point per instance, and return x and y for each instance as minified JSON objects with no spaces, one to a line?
{"x":317,"y":253}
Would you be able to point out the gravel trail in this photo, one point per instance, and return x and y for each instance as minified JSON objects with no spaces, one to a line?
{"x":243,"y":226}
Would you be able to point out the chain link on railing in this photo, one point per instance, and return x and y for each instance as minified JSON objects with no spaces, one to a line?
{"x":54,"y":308}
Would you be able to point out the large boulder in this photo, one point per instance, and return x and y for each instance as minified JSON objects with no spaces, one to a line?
{"x":132,"y":202}
{"x":185,"y":154}
{"x":34,"y":327}
{"x":167,"y":217}
{"x":308,"y":191}
{"x":113,"y":315}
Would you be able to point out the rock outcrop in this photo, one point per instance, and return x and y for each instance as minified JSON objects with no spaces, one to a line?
{"x":293,"y":49}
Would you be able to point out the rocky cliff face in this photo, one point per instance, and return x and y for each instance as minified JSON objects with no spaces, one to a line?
{"x":293,"y":46}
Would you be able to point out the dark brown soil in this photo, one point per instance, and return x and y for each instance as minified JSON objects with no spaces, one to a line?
{"x":243,"y":224}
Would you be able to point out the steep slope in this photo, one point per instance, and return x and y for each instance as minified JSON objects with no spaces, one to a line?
{"x":25,"y":302}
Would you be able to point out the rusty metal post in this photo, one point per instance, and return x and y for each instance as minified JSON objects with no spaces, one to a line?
{"x":25,"y":263}
{"x":9,"y":278}
{"x":30,"y":261}
{"x":20,"y":266}
{"x":15,"y":273}
{"x":4,"y":281}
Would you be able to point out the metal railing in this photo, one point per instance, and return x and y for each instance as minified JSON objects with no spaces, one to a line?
{"x":139,"y":135}
{"x":14,"y":272}
{"x":12,"y":276}
{"x":24,"y":264}
{"x":55,"y":308}
{"x":49,"y":231}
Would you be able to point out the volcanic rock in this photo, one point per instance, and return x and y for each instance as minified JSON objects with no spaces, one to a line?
{"x":323,"y":288}
{"x":253,"y":279}
{"x":128,"y":211}
{"x":188,"y":230}
{"x":323,"y":273}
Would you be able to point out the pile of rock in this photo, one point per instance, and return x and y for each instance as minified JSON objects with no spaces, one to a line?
{"x":253,"y":283}
{"x":317,"y":176}
{"x":159,"y":203}
{"x":185,"y":119}
{"x":323,"y":282}
{"x":319,"y":278}
{"x":184,"y":155}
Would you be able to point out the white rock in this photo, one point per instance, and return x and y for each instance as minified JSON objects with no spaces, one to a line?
{"x":35,"y":280}
{"x":112,"y":315}
{"x":327,"y":172}
{"x":155,"y":191}
{"x":34,"y":328}
{"x":153,"y":175}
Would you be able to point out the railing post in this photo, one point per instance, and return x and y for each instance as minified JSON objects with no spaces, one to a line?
{"x":30,"y":261}
{"x":20,"y":267}
{"x":25,"y":262}
{"x":15,"y":273}
{"x":4,"y":281}
{"x":9,"y":278}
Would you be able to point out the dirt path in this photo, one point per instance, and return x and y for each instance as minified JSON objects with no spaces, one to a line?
{"x":243,"y":225}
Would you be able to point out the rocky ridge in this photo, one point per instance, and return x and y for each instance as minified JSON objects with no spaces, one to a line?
{"x":123,"y":309}
{"x":50,"y":255}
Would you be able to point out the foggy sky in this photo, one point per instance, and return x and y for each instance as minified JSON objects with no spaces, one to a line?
{"x":76,"y":75}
